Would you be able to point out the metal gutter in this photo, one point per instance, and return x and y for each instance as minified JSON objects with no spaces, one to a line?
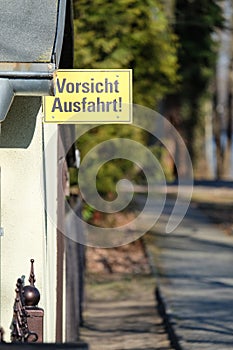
{"x":24,"y":87}
{"x":7,"y":95}
{"x":26,"y":75}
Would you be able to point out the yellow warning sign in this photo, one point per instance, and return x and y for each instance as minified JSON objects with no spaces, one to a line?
{"x":94,"y":96}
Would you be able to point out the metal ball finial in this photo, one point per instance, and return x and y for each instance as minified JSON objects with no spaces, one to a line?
{"x":32,"y":279}
{"x":31,"y":293}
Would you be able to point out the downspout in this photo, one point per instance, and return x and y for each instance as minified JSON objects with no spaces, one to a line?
{"x":7,"y":96}
{"x":23,"y":85}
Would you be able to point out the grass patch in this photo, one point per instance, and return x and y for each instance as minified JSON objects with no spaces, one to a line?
{"x":100,"y":287}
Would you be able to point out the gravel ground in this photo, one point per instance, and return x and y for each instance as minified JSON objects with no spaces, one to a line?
{"x":120,"y":313}
{"x":130,"y":258}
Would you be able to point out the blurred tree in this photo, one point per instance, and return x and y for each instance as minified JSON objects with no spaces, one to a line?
{"x":128,"y":34}
{"x":195,"y":22}
{"x":222,"y":101}
{"x":125,"y":34}
{"x":111,"y":172}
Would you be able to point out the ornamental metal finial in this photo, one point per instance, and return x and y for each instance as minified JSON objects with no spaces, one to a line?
{"x":30,"y":293}
{"x":32,"y":278}
{"x":19,"y":326}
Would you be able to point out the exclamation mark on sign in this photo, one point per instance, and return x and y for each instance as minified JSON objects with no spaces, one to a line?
{"x":120,"y":104}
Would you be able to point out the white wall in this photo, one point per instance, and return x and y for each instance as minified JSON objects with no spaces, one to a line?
{"x":23,"y":219}
{"x":50,"y":187}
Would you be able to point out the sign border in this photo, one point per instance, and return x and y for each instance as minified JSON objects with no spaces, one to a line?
{"x":130,"y":79}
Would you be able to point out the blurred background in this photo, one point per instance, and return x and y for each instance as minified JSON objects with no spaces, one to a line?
{"x":181,"y":53}
{"x":181,"y":56}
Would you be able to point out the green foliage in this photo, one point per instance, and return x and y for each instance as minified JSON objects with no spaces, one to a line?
{"x":179,"y":60}
{"x":165,"y":161}
{"x":125,"y":34}
{"x":107,"y":176}
{"x":112,"y":171}
{"x":73,"y":174}
{"x":128,"y":34}
{"x":87,"y":212}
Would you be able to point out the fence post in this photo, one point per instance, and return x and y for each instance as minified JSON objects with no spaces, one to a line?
{"x":27,"y":323}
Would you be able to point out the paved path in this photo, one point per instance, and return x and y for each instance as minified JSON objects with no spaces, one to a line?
{"x":121,"y":315}
{"x":195,"y":268}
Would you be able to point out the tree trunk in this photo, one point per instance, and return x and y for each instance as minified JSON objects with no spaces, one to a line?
{"x":227,"y":148}
{"x":217,"y":129}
